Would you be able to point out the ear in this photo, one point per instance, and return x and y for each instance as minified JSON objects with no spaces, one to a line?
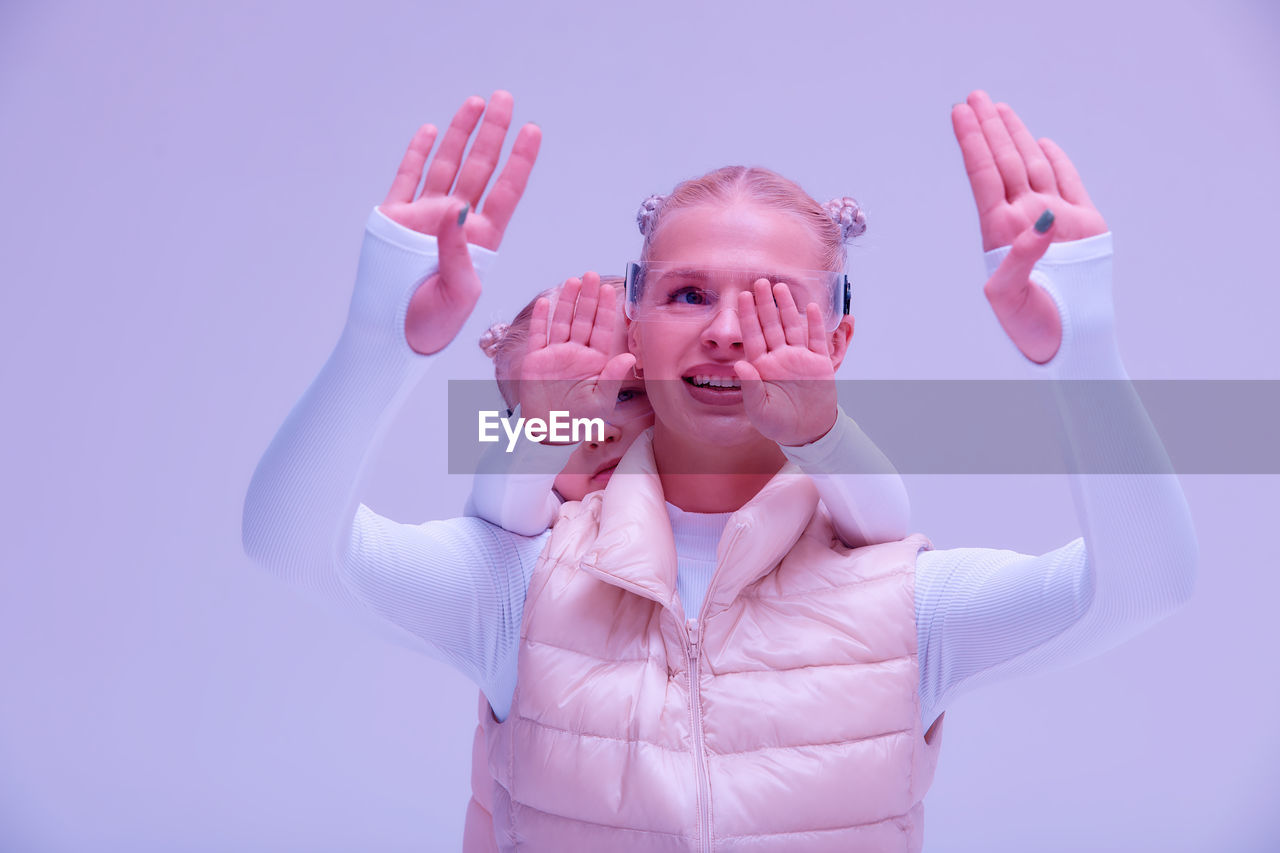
{"x":838,"y":343}
{"x":633,"y":343}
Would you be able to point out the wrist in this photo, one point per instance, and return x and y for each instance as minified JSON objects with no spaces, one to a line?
{"x":816,"y":433}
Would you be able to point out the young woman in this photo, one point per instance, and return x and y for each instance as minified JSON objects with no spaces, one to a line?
{"x":544,"y":361}
{"x":785,"y":704}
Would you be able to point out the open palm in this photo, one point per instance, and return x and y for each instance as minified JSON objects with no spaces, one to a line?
{"x":449,"y":178}
{"x":1016,"y":178}
{"x":448,"y":208}
{"x":571,"y":365}
{"x":788,"y":379}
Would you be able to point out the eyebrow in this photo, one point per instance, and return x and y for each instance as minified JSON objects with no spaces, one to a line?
{"x":683,"y":273}
{"x":702,"y":274}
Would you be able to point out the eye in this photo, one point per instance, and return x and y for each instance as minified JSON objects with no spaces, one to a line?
{"x":626,"y":395}
{"x":689,"y":296}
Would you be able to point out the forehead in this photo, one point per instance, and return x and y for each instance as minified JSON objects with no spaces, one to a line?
{"x":742,"y":235}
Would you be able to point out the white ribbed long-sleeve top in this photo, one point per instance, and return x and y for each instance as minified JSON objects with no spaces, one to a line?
{"x":458,"y":586}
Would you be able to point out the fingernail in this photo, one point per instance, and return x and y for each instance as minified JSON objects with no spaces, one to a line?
{"x":1045,"y":220}
{"x":462,"y":217}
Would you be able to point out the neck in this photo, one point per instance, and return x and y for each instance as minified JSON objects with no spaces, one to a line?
{"x":697,"y":477}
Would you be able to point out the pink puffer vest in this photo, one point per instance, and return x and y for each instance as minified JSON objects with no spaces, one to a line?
{"x":785,"y":718}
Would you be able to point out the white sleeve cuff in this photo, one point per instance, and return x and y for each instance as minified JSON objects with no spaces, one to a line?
{"x":1077,"y":276}
{"x":386,"y":229}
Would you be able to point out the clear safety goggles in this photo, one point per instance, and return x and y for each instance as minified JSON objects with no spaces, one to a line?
{"x":677,"y":292}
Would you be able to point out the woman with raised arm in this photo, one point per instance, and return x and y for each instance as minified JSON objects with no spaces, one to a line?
{"x":783,"y":703}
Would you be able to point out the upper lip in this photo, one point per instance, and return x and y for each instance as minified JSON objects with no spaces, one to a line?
{"x":612,"y":463}
{"x":718,"y":369}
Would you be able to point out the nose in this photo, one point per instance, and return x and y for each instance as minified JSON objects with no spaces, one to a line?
{"x":724,"y":330}
{"x":608,"y":436}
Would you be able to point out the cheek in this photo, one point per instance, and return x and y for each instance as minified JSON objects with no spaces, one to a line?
{"x":571,"y":482}
{"x":633,"y":430}
{"x":572,"y":486}
{"x":662,"y":346}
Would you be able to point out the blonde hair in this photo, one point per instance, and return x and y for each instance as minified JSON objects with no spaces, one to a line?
{"x":834,"y":223}
{"x":507,"y":343}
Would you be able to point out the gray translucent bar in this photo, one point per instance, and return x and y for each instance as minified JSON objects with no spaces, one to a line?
{"x":1014,"y":427}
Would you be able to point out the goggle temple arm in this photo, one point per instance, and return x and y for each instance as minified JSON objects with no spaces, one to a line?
{"x":632,"y":294}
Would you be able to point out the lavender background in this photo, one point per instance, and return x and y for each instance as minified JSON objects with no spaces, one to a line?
{"x":182,"y":192}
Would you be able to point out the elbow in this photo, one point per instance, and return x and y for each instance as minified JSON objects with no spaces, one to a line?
{"x":254,"y":538}
{"x":1186,"y":568}
{"x":1180,"y":567}
{"x":263,"y":542}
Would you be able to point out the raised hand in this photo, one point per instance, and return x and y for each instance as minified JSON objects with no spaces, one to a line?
{"x":449,"y":178}
{"x":788,"y":379}
{"x":448,"y":207}
{"x":1019,"y":183}
{"x":1015,"y":178}
{"x":574,"y":363}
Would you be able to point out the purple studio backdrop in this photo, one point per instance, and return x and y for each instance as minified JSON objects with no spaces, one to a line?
{"x":183,"y":192}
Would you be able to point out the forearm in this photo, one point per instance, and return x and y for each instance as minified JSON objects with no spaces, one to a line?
{"x":1137,"y":527}
{"x":515,"y":490}
{"x":984,"y":614}
{"x":301,"y":502}
{"x":857,"y":483}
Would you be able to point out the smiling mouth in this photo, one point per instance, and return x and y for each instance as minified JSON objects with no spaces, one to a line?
{"x":726,"y":382}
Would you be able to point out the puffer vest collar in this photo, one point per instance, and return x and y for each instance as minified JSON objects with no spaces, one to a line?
{"x":635,"y":533}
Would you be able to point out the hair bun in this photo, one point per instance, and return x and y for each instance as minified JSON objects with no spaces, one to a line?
{"x":847,"y":213}
{"x":648,"y":213}
{"x":492,"y":338}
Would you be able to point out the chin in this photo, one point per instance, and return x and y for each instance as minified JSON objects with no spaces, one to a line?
{"x":721,"y":429}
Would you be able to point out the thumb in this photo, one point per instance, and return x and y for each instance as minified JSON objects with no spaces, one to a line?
{"x":458,"y":276}
{"x":1008,"y":286}
{"x":1026,"y":311}
{"x":610,"y":380}
{"x":616,"y":370}
{"x":753,"y":395}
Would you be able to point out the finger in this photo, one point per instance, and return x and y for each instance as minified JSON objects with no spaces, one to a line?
{"x":538,"y":323}
{"x":768,"y":311}
{"x":817,"y":329}
{"x":610,"y":380}
{"x":1068,"y":178}
{"x":506,"y":191}
{"x":753,"y":395}
{"x":1034,"y":161}
{"x":562,"y":320}
{"x":1012,"y":171}
{"x":409,"y":175}
{"x":482,"y":159}
{"x":794,"y":328}
{"x":1008,"y":287}
{"x":615,"y":371}
{"x":753,"y":343}
{"x":979,"y":165}
{"x":458,"y":276}
{"x":584,"y":312}
{"x":605,"y":320}
{"x":444,"y":166}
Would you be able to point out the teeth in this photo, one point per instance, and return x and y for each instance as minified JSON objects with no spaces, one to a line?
{"x":717,"y":382}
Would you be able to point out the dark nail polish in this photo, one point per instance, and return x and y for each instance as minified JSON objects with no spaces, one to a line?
{"x":1045,"y":220}
{"x":462,"y":217}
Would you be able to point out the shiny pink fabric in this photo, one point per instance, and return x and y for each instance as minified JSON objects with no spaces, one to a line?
{"x":801,"y":733}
